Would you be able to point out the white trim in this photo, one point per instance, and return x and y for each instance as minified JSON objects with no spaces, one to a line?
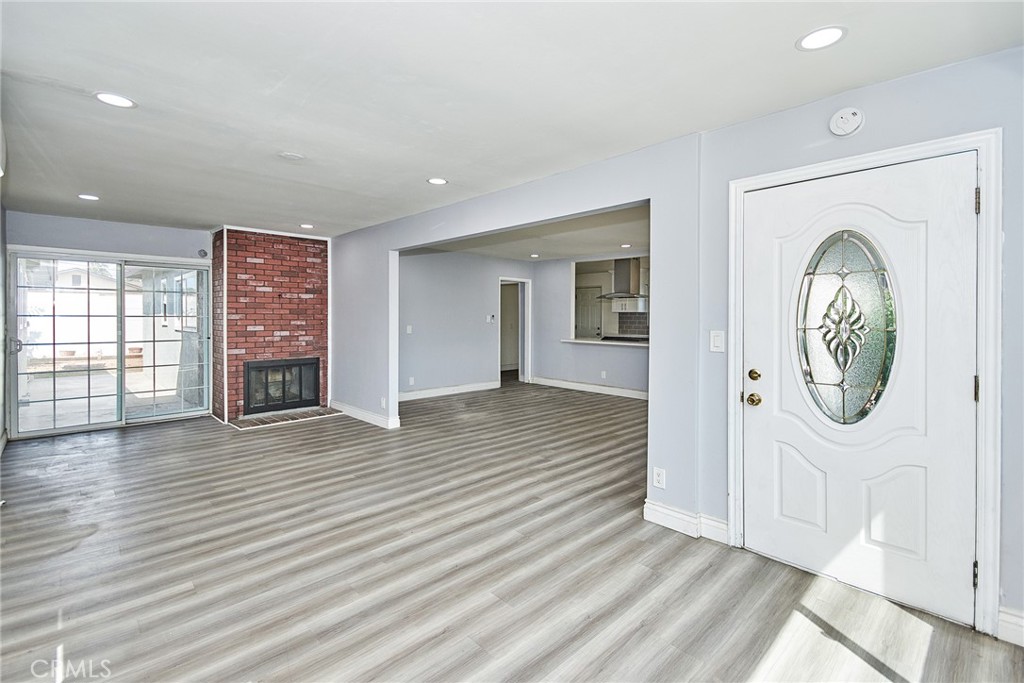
{"x":1011,"y":626}
{"x":224,"y":322}
{"x":713,"y":528}
{"x":591,"y":388}
{"x":525,"y":324}
{"x":330,"y":335}
{"x":990,"y":358}
{"x":375,"y":419}
{"x":391,"y":402}
{"x":509,"y":366}
{"x":3,"y":442}
{"x":143,"y":259}
{"x":988,"y":145}
{"x":447,"y":391}
{"x":300,"y":236}
{"x":672,"y":518}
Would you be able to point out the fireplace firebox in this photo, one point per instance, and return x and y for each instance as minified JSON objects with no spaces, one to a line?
{"x":281,"y":384}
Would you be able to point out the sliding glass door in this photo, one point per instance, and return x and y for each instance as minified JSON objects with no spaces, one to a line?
{"x":165,"y":350}
{"x":99,"y":343}
{"x":67,"y":369}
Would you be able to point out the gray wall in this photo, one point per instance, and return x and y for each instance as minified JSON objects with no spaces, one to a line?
{"x":366,"y":329}
{"x":689,"y":259}
{"x":554,"y":290}
{"x":123,"y":238}
{"x":446,"y":298}
{"x":962,"y":98}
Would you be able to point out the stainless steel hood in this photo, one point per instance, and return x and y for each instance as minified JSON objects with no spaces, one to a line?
{"x":625,"y":280}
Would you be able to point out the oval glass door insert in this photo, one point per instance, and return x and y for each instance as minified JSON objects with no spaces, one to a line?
{"x":846,"y":327}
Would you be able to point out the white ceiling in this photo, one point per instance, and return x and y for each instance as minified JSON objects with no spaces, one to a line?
{"x":381,"y":96}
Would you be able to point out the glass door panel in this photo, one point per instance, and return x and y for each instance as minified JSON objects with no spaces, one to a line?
{"x":66,"y":318}
{"x":165,"y":342}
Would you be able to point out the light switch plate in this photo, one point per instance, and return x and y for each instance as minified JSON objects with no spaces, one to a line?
{"x":717,"y":341}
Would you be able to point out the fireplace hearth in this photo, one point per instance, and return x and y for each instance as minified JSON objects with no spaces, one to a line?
{"x":281,"y":384}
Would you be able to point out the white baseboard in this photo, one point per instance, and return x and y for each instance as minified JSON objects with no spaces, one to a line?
{"x":672,"y":518}
{"x":714,"y":529}
{"x":696,"y":525}
{"x":1011,"y":626}
{"x":592,"y":388}
{"x":3,"y":442}
{"x":366,"y":416}
{"x":510,"y":366}
{"x":446,"y":391}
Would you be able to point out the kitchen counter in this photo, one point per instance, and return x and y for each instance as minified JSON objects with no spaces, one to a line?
{"x":620,"y":340}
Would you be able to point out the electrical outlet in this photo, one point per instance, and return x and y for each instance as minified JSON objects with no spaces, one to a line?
{"x":659,"y":478}
{"x":412,"y":381}
{"x":604,"y":374}
{"x":383,"y":402}
{"x":408,"y":329}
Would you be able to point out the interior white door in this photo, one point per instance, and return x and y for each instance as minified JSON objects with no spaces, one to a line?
{"x":859,"y":326}
{"x":588,"y":313}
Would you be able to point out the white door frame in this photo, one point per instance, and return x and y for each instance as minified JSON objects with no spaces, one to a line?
{"x":525,"y":325}
{"x":988,"y":144}
{"x":16,"y":251}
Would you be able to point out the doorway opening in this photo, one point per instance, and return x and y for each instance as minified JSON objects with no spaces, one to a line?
{"x":514,"y":330}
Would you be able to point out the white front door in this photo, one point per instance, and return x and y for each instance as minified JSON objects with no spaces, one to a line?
{"x":859,"y":430}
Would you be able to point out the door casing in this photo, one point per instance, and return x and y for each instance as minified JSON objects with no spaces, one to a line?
{"x":988,"y":145}
{"x":525,"y":288}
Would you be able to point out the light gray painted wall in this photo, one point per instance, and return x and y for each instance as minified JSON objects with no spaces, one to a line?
{"x":88,"y":235}
{"x":446,"y":298}
{"x":689,"y":254}
{"x":966,"y":97}
{"x":365,"y":331}
{"x":553,"y":302}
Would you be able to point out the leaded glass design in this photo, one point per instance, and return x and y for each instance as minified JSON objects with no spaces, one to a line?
{"x":846,"y":327}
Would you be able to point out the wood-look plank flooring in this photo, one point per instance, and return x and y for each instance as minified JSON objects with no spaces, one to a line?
{"x":495,"y":536}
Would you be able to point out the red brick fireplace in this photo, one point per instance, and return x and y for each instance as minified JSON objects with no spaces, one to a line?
{"x":269,"y":303}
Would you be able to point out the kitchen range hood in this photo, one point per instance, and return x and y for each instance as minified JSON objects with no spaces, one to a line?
{"x":626,"y":280}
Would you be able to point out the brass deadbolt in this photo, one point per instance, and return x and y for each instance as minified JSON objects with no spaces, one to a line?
{"x":754,"y":374}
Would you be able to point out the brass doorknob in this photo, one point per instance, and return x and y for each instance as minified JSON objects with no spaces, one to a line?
{"x":754,"y":400}
{"x":754,"y":374}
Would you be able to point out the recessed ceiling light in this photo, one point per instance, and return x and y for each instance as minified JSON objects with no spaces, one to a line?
{"x":307,"y":226}
{"x":534,"y":255}
{"x":625,"y":246}
{"x":89,"y":197}
{"x":820,"y":38}
{"x":115,"y":100}
{"x":291,"y":156}
{"x":437,"y":181}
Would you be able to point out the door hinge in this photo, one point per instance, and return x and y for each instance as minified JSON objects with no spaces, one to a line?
{"x":977,"y":389}
{"x":741,"y":397}
{"x":975,"y":573}
{"x":977,"y":200}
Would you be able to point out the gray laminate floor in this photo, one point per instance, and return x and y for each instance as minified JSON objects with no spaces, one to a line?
{"x":495,"y":536}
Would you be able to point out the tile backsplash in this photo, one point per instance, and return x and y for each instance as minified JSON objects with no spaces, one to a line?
{"x":633,"y":323}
